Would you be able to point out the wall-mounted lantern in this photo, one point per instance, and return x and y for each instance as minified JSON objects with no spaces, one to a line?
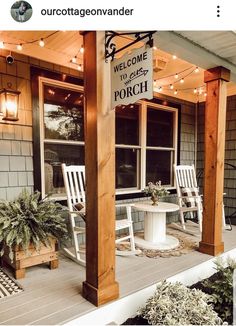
{"x":9,"y":103}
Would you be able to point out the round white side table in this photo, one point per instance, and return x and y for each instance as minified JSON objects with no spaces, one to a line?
{"x":155,"y":236}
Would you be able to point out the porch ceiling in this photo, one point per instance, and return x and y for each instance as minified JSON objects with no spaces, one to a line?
{"x":206,"y":49}
{"x":222,"y":43}
{"x":61,"y":47}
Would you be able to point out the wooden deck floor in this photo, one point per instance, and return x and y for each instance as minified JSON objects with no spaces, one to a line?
{"x":53,"y":296}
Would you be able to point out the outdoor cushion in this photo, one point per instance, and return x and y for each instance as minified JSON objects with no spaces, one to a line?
{"x":189,"y":195}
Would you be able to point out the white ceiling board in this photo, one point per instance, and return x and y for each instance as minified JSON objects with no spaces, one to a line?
{"x":189,"y":50}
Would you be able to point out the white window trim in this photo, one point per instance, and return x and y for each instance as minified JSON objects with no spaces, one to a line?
{"x":175,"y":139}
{"x":142,"y":145}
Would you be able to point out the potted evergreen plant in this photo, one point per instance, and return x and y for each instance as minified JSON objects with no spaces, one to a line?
{"x":29,"y":231}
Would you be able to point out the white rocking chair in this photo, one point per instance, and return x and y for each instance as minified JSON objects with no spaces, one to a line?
{"x":188,"y":194}
{"x":74,"y":180}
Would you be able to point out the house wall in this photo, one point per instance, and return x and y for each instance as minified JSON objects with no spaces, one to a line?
{"x":16,"y":163}
{"x":230,"y":153}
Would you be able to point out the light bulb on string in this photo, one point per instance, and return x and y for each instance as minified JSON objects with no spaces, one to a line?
{"x":41,"y":43}
{"x":174,"y":57}
{"x":81,"y":50}
{"x":159,"y":88}
{"x":19,"y":47}
{"x":176,"y":76}
{"x":176,"y":92}
{"x":205,"y":94}
{"x":2,"y":46}
{"x":80,"y":67}
{"x":196,"y":70}
{"x":200,"y":91}
{"x":154,"y":82}
{"x":195,"y":91}
{"x":171,"y":86}
{"x":74,"y":59}
{"x":181,"y":80}
{"x":154,"y":48}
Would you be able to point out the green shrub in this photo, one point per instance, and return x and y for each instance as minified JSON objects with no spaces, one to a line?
{"x":176,"y":304}
{"x":222,"y":288}
{"x":30,"y":220}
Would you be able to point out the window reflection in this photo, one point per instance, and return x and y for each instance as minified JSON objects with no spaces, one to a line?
{"x":158,"y":166}
{"x":127,"y":125}
{"x":159,"y":128}
{"x":54,"y":156}
{"x":63,"y":114}
{"x":126,"y":168}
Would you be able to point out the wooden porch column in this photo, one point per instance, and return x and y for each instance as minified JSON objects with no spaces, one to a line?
{"x":215,"y":118}
{"x":100,"y":285}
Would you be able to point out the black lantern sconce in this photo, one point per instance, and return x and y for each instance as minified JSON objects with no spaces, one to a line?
{"x":9,"y":103}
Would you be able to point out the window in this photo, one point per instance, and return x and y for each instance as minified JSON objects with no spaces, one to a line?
{"x":127,"y":147}
{"x":160,"y":148}
{"x":146,"y":139}
{"x":61,"y":131}
{"x":146,"y":145}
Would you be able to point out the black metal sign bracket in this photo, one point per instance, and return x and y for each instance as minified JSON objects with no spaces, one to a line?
{"x":110,"y":46}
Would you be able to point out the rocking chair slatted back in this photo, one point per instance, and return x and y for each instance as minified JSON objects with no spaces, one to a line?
{"x":185,"y":178}
{"x":74,"y":178}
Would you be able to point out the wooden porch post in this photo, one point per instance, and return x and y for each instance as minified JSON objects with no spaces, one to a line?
{"x":100,"y":285}
{"x":215,"y":118}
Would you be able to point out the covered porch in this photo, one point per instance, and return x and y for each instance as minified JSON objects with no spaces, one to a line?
{"x":53,"y":295}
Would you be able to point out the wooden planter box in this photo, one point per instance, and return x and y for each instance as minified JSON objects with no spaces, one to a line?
{"x":21,"y":260}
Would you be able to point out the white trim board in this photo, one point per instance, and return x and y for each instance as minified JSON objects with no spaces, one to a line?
{"x":120,"y":310}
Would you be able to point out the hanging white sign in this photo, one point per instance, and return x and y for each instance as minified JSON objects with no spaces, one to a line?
{"x":132,"y":77}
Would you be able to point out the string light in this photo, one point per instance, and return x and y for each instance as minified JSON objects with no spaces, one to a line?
{"x":74,"y":59}
{"x":181,"y":80}
{"x":155,"y":83}
{"x":80,"y":67}
{"x":41,"y":43}
{"x":196,"y":70}
{"x":81,"y":49}
{"x":154,"y":48}
{"x":195,"y":91}
{"x":159,"y":88}
{"x":19,"y":47}
{"x":200,"y":91}
{"x":171,"y":86}
{"x":176,"y":76}
{"x":205,"y":94}
{"x":176,"y":92}
{"x":174,"y":57}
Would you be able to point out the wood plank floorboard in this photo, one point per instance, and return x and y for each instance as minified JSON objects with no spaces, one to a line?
{"x":53,"y":297}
